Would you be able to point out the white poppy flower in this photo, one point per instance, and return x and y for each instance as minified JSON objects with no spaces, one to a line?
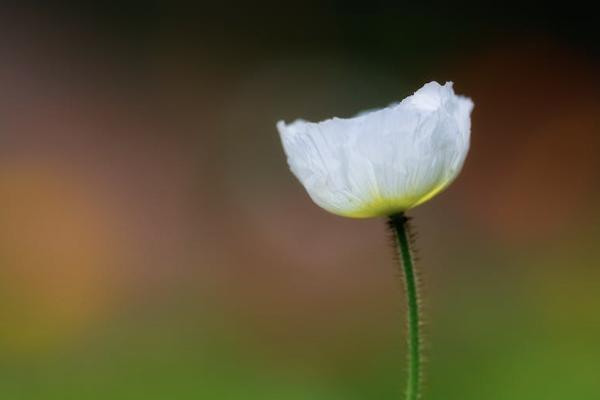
{"x":386,"y":161}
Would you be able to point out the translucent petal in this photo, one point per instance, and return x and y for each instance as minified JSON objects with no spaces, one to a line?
{"x":384,"y":161}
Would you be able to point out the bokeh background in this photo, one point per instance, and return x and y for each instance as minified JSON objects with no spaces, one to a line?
{"x":154,"y":245}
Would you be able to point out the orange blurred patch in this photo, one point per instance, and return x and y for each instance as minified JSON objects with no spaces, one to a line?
{"x":54,"y":253}
{"x":533,"y":167}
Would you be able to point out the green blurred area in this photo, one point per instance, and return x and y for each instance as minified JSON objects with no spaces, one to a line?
{"x":154,"y":245}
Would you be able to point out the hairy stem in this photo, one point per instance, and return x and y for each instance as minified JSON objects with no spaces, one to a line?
{"x":399,"y":225}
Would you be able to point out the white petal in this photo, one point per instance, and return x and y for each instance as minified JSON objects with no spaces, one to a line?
{"x":384,"y":161}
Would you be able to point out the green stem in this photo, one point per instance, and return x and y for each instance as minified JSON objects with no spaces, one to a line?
{"x":399,"y":225}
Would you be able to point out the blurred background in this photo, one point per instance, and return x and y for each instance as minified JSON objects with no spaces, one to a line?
{"x":154,"y":245}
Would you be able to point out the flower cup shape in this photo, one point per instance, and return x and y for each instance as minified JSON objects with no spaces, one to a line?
{"x":386,"y":161}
